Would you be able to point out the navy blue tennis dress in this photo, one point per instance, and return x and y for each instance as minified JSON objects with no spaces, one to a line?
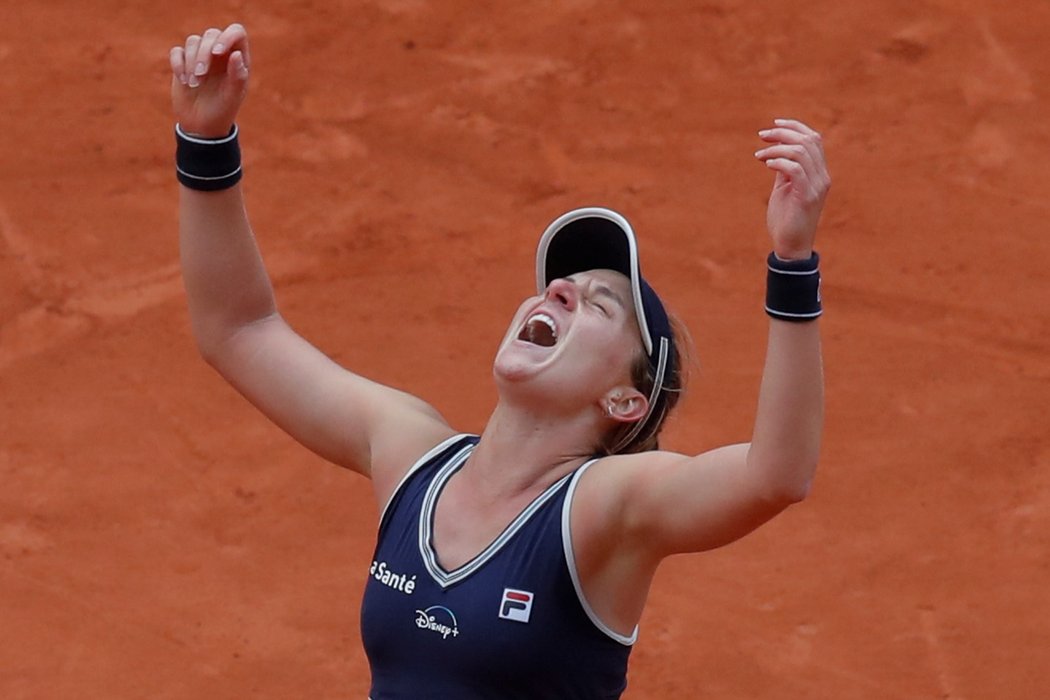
{"x":511,"y":623}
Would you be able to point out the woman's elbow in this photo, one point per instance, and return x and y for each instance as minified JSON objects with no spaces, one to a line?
{"x":798,"y":492}
{"x":792,"y":485}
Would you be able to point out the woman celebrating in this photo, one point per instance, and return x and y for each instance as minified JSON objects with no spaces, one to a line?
{"x":517,"y":563}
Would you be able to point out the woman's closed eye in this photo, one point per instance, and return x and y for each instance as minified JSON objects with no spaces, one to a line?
{"x":600,"y":306}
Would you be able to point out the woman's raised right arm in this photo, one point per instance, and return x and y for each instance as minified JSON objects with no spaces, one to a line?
{"x":347,"y":419}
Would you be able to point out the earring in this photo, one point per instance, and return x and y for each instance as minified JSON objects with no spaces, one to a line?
{"x":608,"y":411}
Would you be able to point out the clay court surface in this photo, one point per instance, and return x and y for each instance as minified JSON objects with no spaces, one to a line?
{"x":159,"y":539}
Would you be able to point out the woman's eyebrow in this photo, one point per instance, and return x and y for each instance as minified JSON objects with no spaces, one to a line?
{"x":603,"y":290}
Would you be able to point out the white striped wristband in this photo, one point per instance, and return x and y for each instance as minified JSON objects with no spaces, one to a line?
{"x":793,"y":288}
{"x":207,"y":164}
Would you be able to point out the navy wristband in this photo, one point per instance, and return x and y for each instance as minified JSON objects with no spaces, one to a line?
{"x":793,"y":288}
{"x":207,"y":164}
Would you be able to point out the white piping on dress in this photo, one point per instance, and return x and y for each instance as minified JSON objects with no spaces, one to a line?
{"x":426,"y":525}
{"x":570,"y":561}
{"x":415,"y":467}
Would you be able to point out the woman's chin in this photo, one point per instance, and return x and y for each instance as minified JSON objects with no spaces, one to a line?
{"x":517,"y":361}
{"x":522,"y":376}
{"x":513,"y":370}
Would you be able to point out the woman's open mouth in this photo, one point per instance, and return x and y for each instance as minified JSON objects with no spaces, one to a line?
{"x":539,"y":329}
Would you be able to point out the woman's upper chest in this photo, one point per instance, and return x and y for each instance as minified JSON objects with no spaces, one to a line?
{"x":465,"y":522}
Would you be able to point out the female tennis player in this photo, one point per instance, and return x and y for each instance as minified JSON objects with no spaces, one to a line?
{"x":517,"y":563}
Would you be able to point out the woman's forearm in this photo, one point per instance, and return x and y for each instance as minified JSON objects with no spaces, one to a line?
{"x":226,"y":283}
{"x":786,"y":441}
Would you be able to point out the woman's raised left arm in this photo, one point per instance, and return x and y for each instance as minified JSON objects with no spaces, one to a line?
{"x":667,"y":503}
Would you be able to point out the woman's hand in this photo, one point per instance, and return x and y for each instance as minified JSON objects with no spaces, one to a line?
{"x":801,"y":185}
{"x":209,"y":80}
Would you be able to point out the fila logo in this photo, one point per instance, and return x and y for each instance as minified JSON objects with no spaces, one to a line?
{"x":516,"y":605}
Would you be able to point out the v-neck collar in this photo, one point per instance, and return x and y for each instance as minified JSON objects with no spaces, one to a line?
{"x":426,"y":523}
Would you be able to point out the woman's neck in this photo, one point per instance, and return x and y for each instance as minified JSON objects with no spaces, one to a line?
{"x":521,"y":450}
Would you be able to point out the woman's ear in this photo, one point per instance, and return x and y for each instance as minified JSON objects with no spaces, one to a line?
{"x":624,"y":404}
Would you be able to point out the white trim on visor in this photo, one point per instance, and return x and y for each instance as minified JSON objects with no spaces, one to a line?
{"x":658,"y":385}
{"x":632,"y":247}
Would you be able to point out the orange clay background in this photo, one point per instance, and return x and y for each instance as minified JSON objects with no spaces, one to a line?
{"x":159,"y":539}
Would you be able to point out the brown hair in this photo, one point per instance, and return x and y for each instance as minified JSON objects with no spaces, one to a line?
{"x":643,"y":377}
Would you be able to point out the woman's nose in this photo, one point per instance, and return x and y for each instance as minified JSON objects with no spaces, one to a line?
{"x":563,"y":292}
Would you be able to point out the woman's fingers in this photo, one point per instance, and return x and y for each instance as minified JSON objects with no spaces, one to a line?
{"x":811,"y":141}
{"x":790,"y":131}
{"x":178,"y":61}
{"x":203,"y":60}
{"x":795,"y":152}
{"x":233,"y":38}
{"x":794,"y":141}
{"x":238,"y":67}
{"x":796,"y":126}
{"x":794,"y":163}
{"x":189,"y":57}
{"x":213,"y":46}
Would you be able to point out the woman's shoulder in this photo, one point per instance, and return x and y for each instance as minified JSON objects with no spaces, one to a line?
{"x":401,"y":454}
